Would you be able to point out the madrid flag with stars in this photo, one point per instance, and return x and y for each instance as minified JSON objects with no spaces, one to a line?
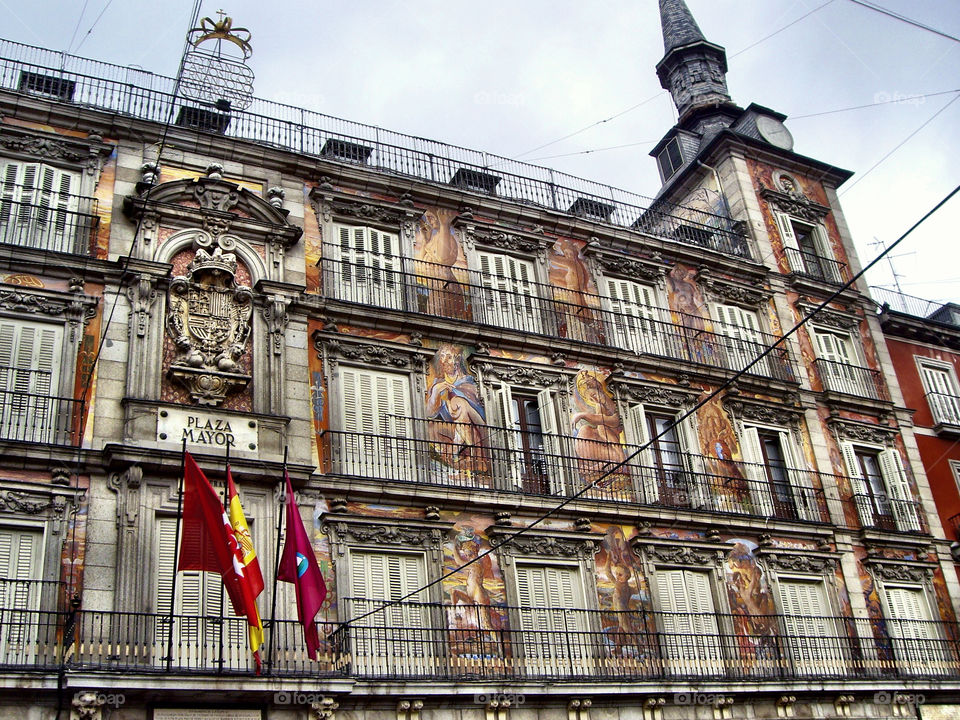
{"x":298,"y":565}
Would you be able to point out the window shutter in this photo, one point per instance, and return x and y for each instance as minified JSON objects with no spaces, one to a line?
{"x":552,"y":441}
{"x":756,"y":472}
{"x":742,"y":327}
{"x":551,"y":634}
{"x":634,"y":316}
{"x":901,"y":498}
{"x":804,"y":494}
{"x":643,"y":464}
{"x":508,"y":455}
{"x":368,"y":267}
{"x":20,"y":564}
{"x":691,"y":635}
{"x":701,"y":495}
{"x":916,"y":640}
{"x":808,"y":627}
{"x":375,"y":417}
{"x":790,"y":246}
{"x":29,"y":379}
{"x":941,"y":394}
{"x":9,"y":176}
{"x":859,"y":485}
{"x":510,"y":298}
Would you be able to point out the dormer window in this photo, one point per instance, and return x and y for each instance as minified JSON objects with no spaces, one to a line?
{"x":345,"y":150}
{"x":47,"y":86}
{"x":476,"y":181}
{"x":670,"y":159}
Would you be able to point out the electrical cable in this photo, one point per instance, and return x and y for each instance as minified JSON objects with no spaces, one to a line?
{"x":77,"y":26}
{"x":904,"y":19}
{"x":905,"y":100}
{"x":716,"y":392}
{"x":84,"y":38}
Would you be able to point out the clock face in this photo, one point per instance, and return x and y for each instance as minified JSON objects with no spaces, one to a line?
{"x":774,"y":132}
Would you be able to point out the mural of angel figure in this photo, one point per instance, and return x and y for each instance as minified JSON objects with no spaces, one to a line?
{"x":596,"y":427}
{"x":458,"y":423}
{"x":437,"y":254}
{"x":472,"y":597}
{"x":616,"y":567}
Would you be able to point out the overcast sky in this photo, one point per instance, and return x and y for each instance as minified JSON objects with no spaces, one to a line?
{"x":510,"y":76}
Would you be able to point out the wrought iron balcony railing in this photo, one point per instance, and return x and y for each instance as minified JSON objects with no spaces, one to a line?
{"x":469,"y":642}
{"x":58,"y":222}
{"x":891,"y":515}
{"x":817,"y":267}
{"x":539,"y":308}
{"x":945,"y":409}
{"x":852,"y":380}
{"x":135,"y":93}
{"x":434,"y":452}
{"x":29,"y":417}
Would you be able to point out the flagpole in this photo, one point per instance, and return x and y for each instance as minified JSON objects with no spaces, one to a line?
{"x":273,"y":601}
{"x":223,"y":618}
{"x":176,"y":552}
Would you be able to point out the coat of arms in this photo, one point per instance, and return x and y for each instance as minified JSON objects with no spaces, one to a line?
{"x":209,"y":321}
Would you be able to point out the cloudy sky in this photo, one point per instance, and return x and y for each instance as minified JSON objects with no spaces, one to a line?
{"x":513,"y":77}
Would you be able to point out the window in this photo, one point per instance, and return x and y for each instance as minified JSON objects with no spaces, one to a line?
{"x":47,"y":85}
{"x":20,"y":570}
{"x":942,"y":395}
{"x":810,"y":633}
{"x":396,"y":640}
{"x":746,"y":342}
{"x":367,"y":266}
{"x":670,"y":159}
{"x":778,"y":487}
{"x":634,"y":317}
{"x":690,"y":632}
{"x":375,"y":438}
{"x":916,"y":640}
{"x":880,"y":488}
{"x":670,"y":469}
{"x":532,"y":456}
{"x":39,"y":207}
{"x":550,"y":598}
{"x":205,"y":627}
{"x":30,"y":380}
{"x":807,"y":249}
{"x":508,"y":293}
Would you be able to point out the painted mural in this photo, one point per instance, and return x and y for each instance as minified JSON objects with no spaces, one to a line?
{"x":623,"y":596}
{"x":440,"y":265}
{"x":598,"y":435}
{"x":312,"y":244}
{"x":751,"y":604}
{"x":457,"y":425}
{"x":574,"y":292}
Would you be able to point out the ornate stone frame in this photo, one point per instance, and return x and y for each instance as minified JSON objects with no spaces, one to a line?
{"x":658,"y":396}
{"x":605,"y":262}
{"x":861,"y":433}
{"x":793,"y":203}
{"x":807,"y":565}
{"x":916,"y":574}
{"x":84,"y":155}
{"x":530,"y":245}
{"x":723,"y":291}
{"x":492,"y":371}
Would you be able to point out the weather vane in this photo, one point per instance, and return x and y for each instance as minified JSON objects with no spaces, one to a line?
{"x":216,"y":74}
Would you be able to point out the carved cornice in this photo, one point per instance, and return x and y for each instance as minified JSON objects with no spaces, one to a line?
{"x":545,"y":542}
{"x":830,"y":318}
{"x":343,"y":347}
{"x":11,"y":501}
{"x":863,"y":432}
{"x":720,"y":289}
{"x":661,"y":395}
{"x":73,"y":306}
{"x":674,"y":554}
{"x":795,"y":204}
{"x":360,"y":210}
{"x":651,"y":269}
{"x":361,"y":530}
{"x":813,"y":564}
{"x":509,"y":240}
{"x":86,"y":152}
{"x":900,"y":570}
{"x":772,"y":413}
{"x":514,"y":374}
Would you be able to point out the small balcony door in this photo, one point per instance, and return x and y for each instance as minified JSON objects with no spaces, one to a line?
{"x":508,"y":293}
{"x":634,"y":317}
{"x":690,"y":633}
{"x":368,"y":267}
{"x":38,"y":206}
{"x":810,"y":634}
{"x":745,"y":342}
{"x":22,"y":628}
{"x":29,"y":380}
{"x":917,"y":645}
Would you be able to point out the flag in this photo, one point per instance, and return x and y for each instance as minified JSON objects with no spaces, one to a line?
{"x":208,"y":543}
{"x":248,"y":557}
{"x":298,"y":565}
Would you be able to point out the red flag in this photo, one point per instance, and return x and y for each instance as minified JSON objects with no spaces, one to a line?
{"x":209,"y":543}
{"x":298,"y":565}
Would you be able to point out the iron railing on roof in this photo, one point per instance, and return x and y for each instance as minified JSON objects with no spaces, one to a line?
{"x":532,"y":307}
{"x":912,"y":305}
{"x":136,"y":93}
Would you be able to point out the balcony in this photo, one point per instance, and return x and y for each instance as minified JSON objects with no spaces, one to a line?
{"x":945,"y":409}
{"x":59,"y":223}
{"x":851,"y":380}
{"x":134,"y":93}
{"x":413,"y":641}
{"x":891,"y":515}
{"x":37,"y":418}
{"x":493,"y":458}
{"x":465,"y":295}
{"x":816,"y":267}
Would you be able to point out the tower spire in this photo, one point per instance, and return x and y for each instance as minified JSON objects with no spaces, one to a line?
{"x":692,"y":69}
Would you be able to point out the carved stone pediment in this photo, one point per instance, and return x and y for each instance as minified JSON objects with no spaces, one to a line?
{"x":784,"y":560}
{"x":545,"y":542}
{"x":396,"y":217}
{"x":640,"y":269}
{"x":631,"y":391}
{"x":831,"y":318}
{"x":346,"y":347}
{"x":674,"y":554}
{"x":72,"y":306}
{"x":772,"y":413}
{"x":900,"y":570}
{"x":209,"y":322}
{"x":863,"y":432}
{"x":514,"y":374}
{"x":795,"y":204}
{"x":88,"y":152}
{"x":511,"y":240}
{"x":723,"y":290}
{"x":344,"y":530}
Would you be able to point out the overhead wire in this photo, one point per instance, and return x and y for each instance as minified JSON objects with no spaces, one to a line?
{"x":97,"y":20}
{"x":77,"y":26}
{"x":903,"y":18}
{"x":494,"y":546}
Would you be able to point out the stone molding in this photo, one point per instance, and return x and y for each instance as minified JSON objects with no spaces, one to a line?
{"x":631,"y":267}
{"x":721,"y":289}
{"x":360,"y":350}
{"x":358,"y":210}
{"x":544,"y":542}
{"x":839,"y":319}
{"x":347,"y":529}
{"x":771,"y":413}
{"x":795,"y":204}
{"x":863,"y":432}
{"x":87,"y":153}
{"x":806,"y":563}
{"x":632,"y":391}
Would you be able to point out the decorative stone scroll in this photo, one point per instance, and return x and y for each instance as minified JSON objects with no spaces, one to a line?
{"x":788,"y":199}
{"x":543,"y":542}
{"x":345,"y":530}
{"x":793,"y":562}
{"x":863,"y":432}
{"x":733,"y":292}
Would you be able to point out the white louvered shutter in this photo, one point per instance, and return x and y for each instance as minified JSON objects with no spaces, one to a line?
{"x":756,"y":472}
{"x":643,"y":466}
{"x":810,"y":632}
{"x":790,"y":245}
{"x":941,"y":394}
{"x":36,"y":205}
{"x":368,"y":266}
{"x":743,"y":329}
{"x":858,"y":484}
{"x":634,"y":316}
{"x":509,"y":293}
{"x":556,"y":459}
{"x":701,"y":494}
{"x":508,"y":453}
{"x":801,"y":483}
{"x":29,"y":380}
{"x":20,"y":567}
{"x":376,"y":424}
{"x":691,"y":635}
{"x":550,"y":598}
{"x":840,"y":371}
{"x":901,"y":498}
{"x":917,"y":642}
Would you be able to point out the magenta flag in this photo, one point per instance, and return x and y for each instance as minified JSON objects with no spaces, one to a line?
{"x":298,"y":565}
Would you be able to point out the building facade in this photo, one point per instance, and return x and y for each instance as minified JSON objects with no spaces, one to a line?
{"x":574,"y":394}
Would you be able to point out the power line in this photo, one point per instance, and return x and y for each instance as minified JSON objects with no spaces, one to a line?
{"x":77,"y":26}
{"x":904,"y":19}
{"x":594,"y":150}
{"x":777,"y":32}
{"x":84,"y":38}
{"x":904,"y":100}
{"x":589,"y":486}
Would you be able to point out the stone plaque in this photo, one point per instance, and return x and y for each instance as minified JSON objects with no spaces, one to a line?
{"x":208,"y":430}
{"x":205,"y":714}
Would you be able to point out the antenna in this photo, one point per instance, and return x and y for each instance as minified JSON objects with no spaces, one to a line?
{"x":889,"y":259}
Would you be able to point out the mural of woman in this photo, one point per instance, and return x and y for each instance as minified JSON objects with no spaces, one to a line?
{"x":750,"y":602}
{"x":616,"y":567}
{"x":438,"y":251}
{"x":573,"y":284}
{"x":466,"y":547}
{"x":453,"y":405}
{"x":597,"y":428}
